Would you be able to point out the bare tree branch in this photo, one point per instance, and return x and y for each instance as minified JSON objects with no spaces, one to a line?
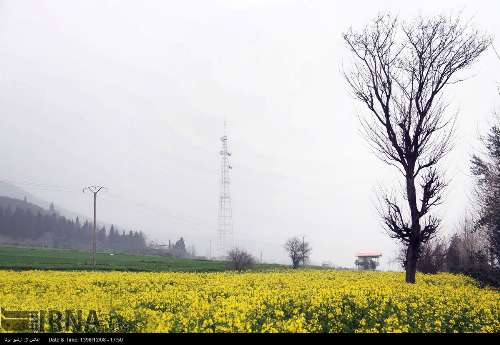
{"x":399,"y":73}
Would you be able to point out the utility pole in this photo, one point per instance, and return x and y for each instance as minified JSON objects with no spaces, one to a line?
{"x":94,"y":190}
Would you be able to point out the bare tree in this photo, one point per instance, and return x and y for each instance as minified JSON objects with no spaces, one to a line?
{"x":497,"y":54}
{"x":240,"y":260}
{"x":399,"y":73}
{"x":192,"y":251}
{"x":433,"y":256}
{"x":474,"y":238}
{"x":298,"y":250}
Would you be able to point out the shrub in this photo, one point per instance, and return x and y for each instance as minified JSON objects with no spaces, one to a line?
{"x":240,"y":260}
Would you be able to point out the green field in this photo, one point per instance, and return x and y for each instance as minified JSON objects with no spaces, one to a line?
{"x":24,"y":258}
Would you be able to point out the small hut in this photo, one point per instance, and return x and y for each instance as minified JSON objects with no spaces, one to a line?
{"x":367,"y":260}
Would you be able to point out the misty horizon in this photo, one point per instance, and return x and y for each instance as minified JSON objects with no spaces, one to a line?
{"x":89,"y":99}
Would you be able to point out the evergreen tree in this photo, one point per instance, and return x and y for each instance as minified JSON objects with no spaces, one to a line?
{"x":486,"y":169}
{"x":21,"y":226}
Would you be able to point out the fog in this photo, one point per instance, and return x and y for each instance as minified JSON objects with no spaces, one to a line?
{"x":132,"y":95}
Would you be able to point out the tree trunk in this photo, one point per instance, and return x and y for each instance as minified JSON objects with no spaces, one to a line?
{"x":411,"y":264}
{"x":414,"y":245}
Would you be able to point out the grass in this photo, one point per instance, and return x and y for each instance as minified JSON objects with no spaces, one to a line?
{"x":26,"y":258}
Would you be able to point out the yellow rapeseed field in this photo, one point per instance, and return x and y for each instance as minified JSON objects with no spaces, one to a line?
{"x":282,"y":301}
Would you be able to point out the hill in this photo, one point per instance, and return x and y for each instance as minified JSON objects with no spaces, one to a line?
{"x":6,"y":202}
{"x":13,"y":192}
{"x":22,"y":223}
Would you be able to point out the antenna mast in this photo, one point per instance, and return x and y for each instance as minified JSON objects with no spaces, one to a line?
{"x":225,"y":218}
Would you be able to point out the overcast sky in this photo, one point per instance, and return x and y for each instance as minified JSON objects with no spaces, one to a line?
{"x":132,"y":95}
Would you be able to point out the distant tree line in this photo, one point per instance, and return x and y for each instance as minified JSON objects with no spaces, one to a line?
{"x":22,"y":226}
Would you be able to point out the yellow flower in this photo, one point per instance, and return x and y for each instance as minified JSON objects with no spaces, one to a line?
{"x":274,"y":301}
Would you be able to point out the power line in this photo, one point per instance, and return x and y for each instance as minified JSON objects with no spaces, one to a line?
{"x":195,"y":224}
{"x":40,"y":186}
{"x":161,"y":212}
